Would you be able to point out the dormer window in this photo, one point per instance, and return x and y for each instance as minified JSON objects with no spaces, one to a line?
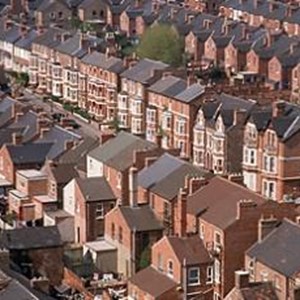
{"x":194,"y":276}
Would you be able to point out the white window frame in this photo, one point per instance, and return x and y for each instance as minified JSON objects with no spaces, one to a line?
{"x":170,"y":271}
{"x":209,"y":275}
{"x":266,"y":192}
{"x":217,"y":271}
{"x":196,"y":278}
{"x":101,"y":210}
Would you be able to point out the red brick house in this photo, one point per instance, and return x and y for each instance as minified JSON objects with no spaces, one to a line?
{"x":165,"y":185}
{"x":94,"y":198}
{"x":228,"y":233}
{"x":172,"y":108}
{"x":270,"y":152}
{"x":218,"y":128}
{"x":133,"y":98}
{"x":99,"y":85}
{"x":132,"y":230}
{"x":178,"y":261}
{"x":92,"y":10}
{"x":115,"y":158}
{"x":268,"y":260}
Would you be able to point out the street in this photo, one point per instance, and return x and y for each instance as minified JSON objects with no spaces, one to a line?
{"x":50,"y":108}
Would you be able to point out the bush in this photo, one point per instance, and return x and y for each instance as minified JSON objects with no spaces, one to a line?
{"x":55,"y":99}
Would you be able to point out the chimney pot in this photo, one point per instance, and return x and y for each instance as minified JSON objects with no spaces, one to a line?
{"x":17,"y":138}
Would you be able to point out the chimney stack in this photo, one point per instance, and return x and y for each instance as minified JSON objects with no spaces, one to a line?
{"x":181,"y":222}
{"x":69,"y":144}
{"x":239,"y":116}
{"x":192,"y":184}
{"x":133,"y":186}
{"x":265,"y":226}
{"x":17,"y":138}
{"x":278,"y":108}
{"x":241,"y":279}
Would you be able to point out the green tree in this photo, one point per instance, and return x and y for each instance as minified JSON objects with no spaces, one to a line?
{"x":162,"y":42}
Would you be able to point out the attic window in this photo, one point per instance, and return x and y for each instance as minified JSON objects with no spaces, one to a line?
{"x":52,"y":15}
{"x":60,"y":15}
{"x":94,"y":13}
{"x":170,"y":270}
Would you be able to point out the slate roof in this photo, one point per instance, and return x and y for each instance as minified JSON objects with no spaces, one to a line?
{"x":280,"y":249}
{"x":177,"y":88}
{"x":98,"y":59}
{"x":49,"y":5}
{"x":118,"y":152}
{"x":10,"y":289}
{"x":50,"y":37}
{"x":95,"y":189}
{"x":190,"y":248}
{"x":31,"y":238}
{"x":209,"y":201}
{"x":11,"y":35}
{"x":26,"y":41}
{"x":74,"y":46}
{"x":153,"y":282}
{"x":143,"y":71}
{"x":166,"y":175}
{"x":58,"y":136}
{"x":140,"y":218}
{"x":28,"y":122}
{"x":29,"y":153}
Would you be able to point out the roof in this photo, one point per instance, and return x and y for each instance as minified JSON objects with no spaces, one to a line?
{"x":58,"y":136}
{"x":280,"y":249}
{"x":209,"y":201}
{"x":29,"y":153}
{"x":62,"y":172}
{"x":118,"y":152}
{"x":31,"y":238}
{"x":49,"y":5}
{"x":189,"y":248}
{"x":10,"y":288}
{"x":177,"y":88}
{"x":254,"y":291}
{"x":100,"y":246}
{"x":95,"y":189}
{"x":167,"y":174}
{"x":153,"y":282}
{"x":143,"y":71}
{"x":101,"y":60}
{"x":140,"y":218}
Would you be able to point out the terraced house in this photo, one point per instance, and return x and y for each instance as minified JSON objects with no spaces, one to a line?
{"x":270,"y":160}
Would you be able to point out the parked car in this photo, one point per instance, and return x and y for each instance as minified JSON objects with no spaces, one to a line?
{"x":70,"y":123}
{"x":57,"y":116}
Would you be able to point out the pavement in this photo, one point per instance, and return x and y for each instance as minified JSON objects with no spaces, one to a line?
{"x":50,"y":108}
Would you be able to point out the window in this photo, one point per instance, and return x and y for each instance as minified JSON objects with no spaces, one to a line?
{"x":269,"y":163}
{"x":217,"y":271}
{"x":150,"y":115}
{"x":199,"y":138}
{"x":122,"y":102}
{"x":152,"y":201}
{"x":194,"y":276}
{"x":60,"y":15}
{"x":167,"y":120}
{"x":249,"y":156}
{"x":217,"y":242}
{"x":112,"y":205}
{"x":209,"y":275}
{"x":264,"y":276}
{"x":181,"y":126}
{"x":120,"y":235}
{"x":216,"y":296}
{"x":160,"y":262}
{"x":52,"y":15}
{"x":202,"y":231}
{"x":170,"y":271}
{"x":269,"y":189}
{"x":99,"y":211}
{"x":119,"y":180}
{"x":251,"y":268}
{"x":113,"y":231}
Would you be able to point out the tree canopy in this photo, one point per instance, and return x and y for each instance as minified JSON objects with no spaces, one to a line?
{"x":162,"y":42}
